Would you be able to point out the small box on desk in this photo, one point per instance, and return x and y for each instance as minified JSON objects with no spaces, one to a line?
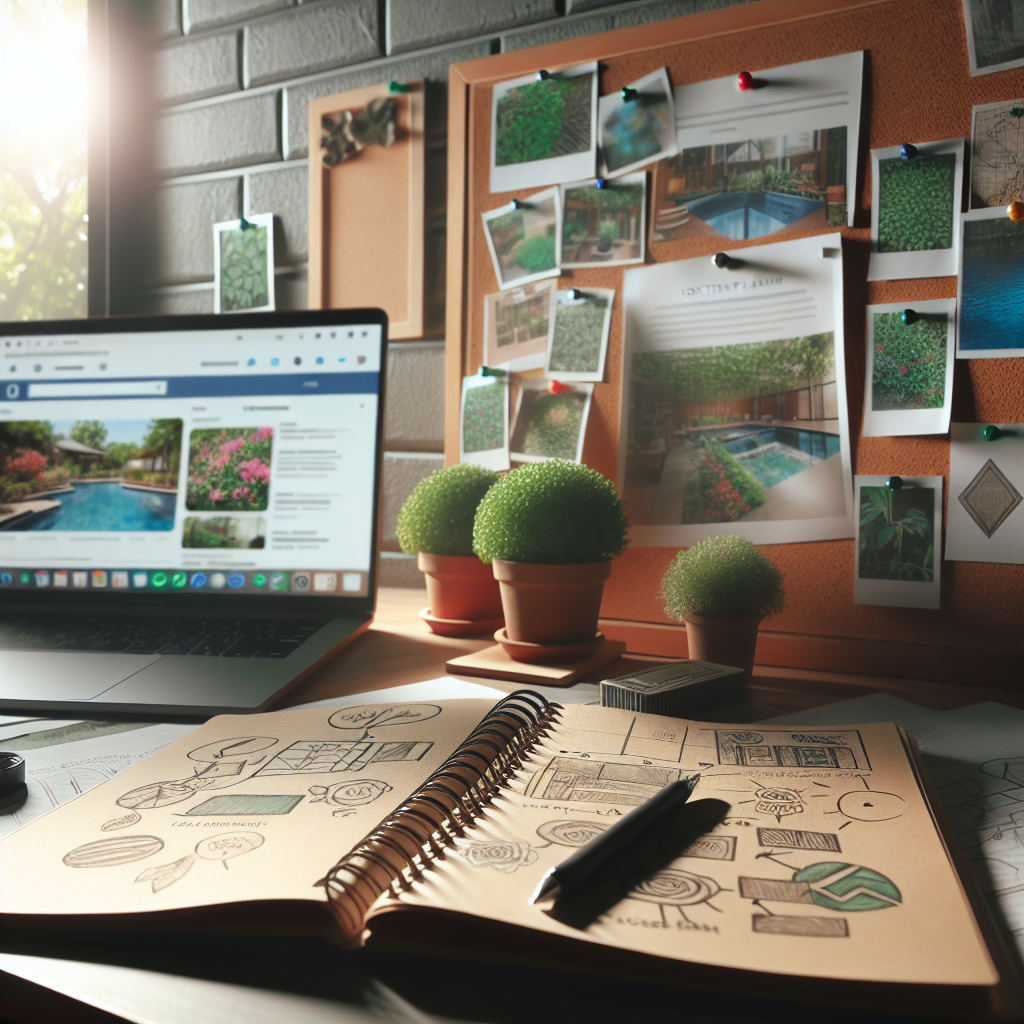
{"x":676,"y":689}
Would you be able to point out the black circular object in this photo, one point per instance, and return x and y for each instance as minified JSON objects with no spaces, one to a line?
{"x":894,"y":483}
{"x":13,"y":791}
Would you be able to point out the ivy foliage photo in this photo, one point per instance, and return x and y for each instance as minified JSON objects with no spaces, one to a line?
{"x":915,"y":203}
{"x":896,"y":541}
{"x":244,"y":269}
{"x":543,"y":120}
{"x":908,"y":363}
{"x":483,"y":418}
{"x":229,"y":469}
{"x":578,"y":336}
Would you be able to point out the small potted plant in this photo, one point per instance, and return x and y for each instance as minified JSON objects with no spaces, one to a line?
{"x":436,"y":525}
{"x":722,"y":588}
{"x":550,"y":530}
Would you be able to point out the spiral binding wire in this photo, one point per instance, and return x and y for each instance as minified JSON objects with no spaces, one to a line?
{"x":397,"y":851}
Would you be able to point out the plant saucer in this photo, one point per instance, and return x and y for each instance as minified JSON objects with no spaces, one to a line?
{"x":519,"y":650}
{"x":460,"y":627}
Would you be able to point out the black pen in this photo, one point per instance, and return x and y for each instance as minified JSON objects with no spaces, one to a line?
{"x":581,"y":871}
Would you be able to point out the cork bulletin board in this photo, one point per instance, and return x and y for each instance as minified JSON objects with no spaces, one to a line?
{"x":917,"y":87}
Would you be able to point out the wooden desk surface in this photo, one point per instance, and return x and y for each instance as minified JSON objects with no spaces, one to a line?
{"x":399,"y":648}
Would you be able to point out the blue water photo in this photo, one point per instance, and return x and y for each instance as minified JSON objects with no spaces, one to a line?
{"x":992,"y":286}
{"x":105,"y":506}
{"x":738,"y":215}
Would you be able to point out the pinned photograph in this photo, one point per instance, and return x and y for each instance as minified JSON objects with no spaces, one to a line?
{"x":751,"y":188}
{"x":483,"y":423}
{"x":604,"y":227}
{"x":990,"y":314}
{"x":544,"y":129}
{"x":915,"y":210}
{"x":243,"y":264}
{"x":997,"y":154}
{"x":524,"y":238}
{"x":637,"y":125}
{"x":777,"y":160}
{"x":579,"y":341}
{"x":986,"y":493}
{"x":550,"y":421}
{"x":224,"y":532}
{"x":898,"y":528}
{"x":995,"y":35}
{"x":909,"y":368}
{"x":734,"y":415}
{"x":518,"y":323}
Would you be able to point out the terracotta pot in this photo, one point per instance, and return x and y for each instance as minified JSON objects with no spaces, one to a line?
{"x":551,"y":604}
{"x":460,"y":587}
{"x":723,"y":641}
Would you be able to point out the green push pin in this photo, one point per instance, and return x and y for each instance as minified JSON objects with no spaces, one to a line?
{"x":894,"y":483}
{"x":909,"y":317}
{"x":490,"y":371}
{"x":628,"y":93}
{"x":992,"y":432}
{"x":394,"y":86}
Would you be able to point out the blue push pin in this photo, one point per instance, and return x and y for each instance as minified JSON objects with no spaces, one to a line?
{"x":907,"y":151}
{"x":601,"y":183}
{"x":628,"y":93}
{"x":543,"y":76}
{"x":909,"y":317}
{"x":894,"y":483}
{"x":992,"y":433}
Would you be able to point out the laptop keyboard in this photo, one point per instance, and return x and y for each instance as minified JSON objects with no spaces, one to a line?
{"x":216,"y":639}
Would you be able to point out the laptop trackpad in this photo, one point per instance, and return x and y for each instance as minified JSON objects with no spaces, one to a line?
{"x":59,"y":675}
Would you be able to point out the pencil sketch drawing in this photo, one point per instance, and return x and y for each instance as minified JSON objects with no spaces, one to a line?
{"x":240,"y":748}
{"x":655,"y":737}
{"x":306,"y":757}
{"x":583,"y":778}
{"x":769,"y":748}
{"x":108,"y":853}
{"x":570,"y":833}
{"x":373,"y":716}
{"x":779,"y":801}
{"x":222,"y":847}
{"x":241,"y":804}
{"x":502,"y":855}
{"x":813,"y":927}
{"x":795,"y":839}
{"x":711,"y":847}
{"x":126,"y":820}
{"x":672,"y":887}
{"x":828,"y":884}
{"x":347,"y":796}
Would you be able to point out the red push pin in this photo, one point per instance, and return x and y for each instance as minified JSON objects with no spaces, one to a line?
{"x":556,"y":387}
{"x":745,"y":81}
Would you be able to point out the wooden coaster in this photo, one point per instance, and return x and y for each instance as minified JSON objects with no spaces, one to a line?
{"x":494,"y":663}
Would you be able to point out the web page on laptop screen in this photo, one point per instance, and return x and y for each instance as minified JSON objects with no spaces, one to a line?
{"x":190,"y":461}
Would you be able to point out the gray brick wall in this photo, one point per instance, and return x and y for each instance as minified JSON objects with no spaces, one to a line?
{"x":236,"y":78}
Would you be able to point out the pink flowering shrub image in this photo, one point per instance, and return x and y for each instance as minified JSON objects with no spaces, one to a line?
{"x":229,"y":469}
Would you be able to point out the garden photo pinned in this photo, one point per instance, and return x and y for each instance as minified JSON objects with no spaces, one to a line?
{"x":518,"y":323}
{"x":997,"y":154}
{"x":243,"y":264}
{"x":986,"y":494}
{"x":525,"y":238}
{"x":915,"y":210}
{"x":897,"y":544}
{"x":579,"y":341}
{"x":909,"y":368}
{"x":544,"y":129}
{"x":637,"y":125}
{"x":550,"y":426}
{"x":606,"y":226}
{"x":990,"y":313}
{"x":483,"y":422}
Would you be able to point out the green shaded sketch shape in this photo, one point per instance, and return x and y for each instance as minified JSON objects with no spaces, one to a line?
{"x":839,"y":886}
{"x":242,"y":804}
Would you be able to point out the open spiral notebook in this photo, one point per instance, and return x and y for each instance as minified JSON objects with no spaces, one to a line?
{"x":810,"y":863}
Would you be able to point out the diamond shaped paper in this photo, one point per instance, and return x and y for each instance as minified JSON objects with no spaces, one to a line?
{"x":989,"y":498}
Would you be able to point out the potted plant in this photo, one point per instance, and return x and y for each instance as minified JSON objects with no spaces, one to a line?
{"x":550,"y":530}
{"x":722,"y":587}
{"x":436,"y":525}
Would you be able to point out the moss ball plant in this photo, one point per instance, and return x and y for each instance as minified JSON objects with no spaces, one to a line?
{"x":722,"y":578}
{"x":551,"y":513}
{"x":437,"y":517}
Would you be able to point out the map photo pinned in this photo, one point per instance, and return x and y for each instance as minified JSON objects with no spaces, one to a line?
{"x":997,"y":154}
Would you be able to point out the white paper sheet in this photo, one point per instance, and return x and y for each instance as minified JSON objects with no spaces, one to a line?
{"x":976,"y":759}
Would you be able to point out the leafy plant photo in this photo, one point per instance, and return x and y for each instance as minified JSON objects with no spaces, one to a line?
{"x":915,"y":203}
{"x":542,"y":120}
{"x":579,"y":330}
{"x":229,"y":469}
{"x":896,"y":541}
{"x":909,"y":364}
{"x":243,"y":269}
{"x":553,"y":427}
{"x":483,"y":418}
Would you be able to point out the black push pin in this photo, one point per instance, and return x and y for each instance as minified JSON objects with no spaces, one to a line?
{"x":628,"y":93}
{"x":575,"y":293}
{"x":907,"y":151}
{"x":602,"y":183}
{"x":244,"y":224}
{"x":543,"y":76}
{"x":909,"y":317}
{"x":724,"y":261}
{"x":894,"y":483}
{"x":518,"y":204}
{"x":394,"y":86}
{"x":992,"y":433}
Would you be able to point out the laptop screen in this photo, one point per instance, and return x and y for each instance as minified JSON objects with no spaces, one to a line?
{"x":222,"y":457}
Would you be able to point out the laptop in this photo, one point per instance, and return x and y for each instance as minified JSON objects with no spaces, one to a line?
{"x":188,"y":507}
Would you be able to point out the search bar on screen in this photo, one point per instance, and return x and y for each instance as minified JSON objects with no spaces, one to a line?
{"x":101,"y":389}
